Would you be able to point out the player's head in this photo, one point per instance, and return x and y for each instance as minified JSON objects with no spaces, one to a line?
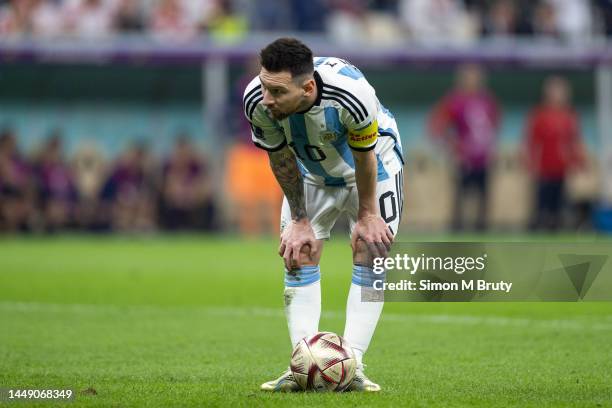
{"x":470,"y":77}
{"x":287,"y":77}
{"x":556,"y":91}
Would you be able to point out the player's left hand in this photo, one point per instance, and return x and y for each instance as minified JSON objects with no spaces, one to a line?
{"x":298,"y":241}
{"x":375,"y":233}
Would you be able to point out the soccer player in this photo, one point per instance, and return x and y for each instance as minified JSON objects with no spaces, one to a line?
{"x":554,"y":147}
{"x":334,"y":149}
{"x":468,"y":119}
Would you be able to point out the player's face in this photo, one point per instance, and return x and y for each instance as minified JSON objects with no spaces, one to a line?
{"x":283,"y":95}
{"x":556,"y":92}
{"x":471,"y":78}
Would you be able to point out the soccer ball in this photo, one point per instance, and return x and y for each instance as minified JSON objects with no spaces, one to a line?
{"x":323,"y":362}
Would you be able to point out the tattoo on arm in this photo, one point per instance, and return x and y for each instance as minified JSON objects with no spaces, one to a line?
{"x":285,"y":168}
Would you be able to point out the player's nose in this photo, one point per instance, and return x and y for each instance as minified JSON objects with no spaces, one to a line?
{"x":267,"y":100}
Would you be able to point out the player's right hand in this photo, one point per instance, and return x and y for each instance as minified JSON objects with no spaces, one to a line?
{"x":296,"y":237}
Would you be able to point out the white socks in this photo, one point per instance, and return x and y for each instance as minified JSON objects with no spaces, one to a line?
{"x":362,"y":316}
{"x":303,"y":306}
{"x":302,"y":302}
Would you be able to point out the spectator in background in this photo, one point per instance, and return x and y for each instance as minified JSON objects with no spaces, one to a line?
{"x":573,"y":19}
{"x":47,"y":18}
{"x":223,"y":23}
{"x":467,"y":120}
{"x":57,"y":192}
{"x":502,"y":20}
{"x":129,"y":195}
{"x":544,"y":21}
{"x":129,"y":17}
{"x":170,"y":21}
{"x":270,"y":15}
{"x":15,"y":18}
{"x":16,"y":188}
{"x":385,"y":6}
{"x":347,"y":21}
{"x":605,"y":12}
{"x":187,"y":200}
{"x":553,"y":146}
{"x":90,"y":19}
{"x":308,"y":15}
{"x":90,"y":171}
{"x":364,"y":22}
{"x":435,"y":21}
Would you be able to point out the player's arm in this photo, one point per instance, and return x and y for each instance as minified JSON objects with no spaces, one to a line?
{"x":370,"y":227}
{"x":365,"y":176}
{"x":298,"y":243}
{"x":285,"y":168}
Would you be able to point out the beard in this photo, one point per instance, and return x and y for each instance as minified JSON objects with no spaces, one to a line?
{"x":278,"y":115}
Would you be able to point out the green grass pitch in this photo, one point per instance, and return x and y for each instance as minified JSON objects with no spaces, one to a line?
{"x":193,"y":321}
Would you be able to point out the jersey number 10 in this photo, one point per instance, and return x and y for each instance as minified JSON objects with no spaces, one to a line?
{"x":312,"y":153}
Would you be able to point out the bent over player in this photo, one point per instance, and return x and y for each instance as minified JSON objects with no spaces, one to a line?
{"x":334,"y":149}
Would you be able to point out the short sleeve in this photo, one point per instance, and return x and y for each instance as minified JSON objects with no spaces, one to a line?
{"x":265,"y":132}
{"x":360,"y":117}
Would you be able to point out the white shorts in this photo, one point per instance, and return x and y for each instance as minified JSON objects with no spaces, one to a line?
{"x":325,"y":204}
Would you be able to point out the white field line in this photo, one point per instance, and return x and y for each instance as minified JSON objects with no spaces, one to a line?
{"x":603,"y":323}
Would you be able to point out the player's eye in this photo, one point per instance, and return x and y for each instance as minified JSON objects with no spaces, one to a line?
{"x":276,"y":91}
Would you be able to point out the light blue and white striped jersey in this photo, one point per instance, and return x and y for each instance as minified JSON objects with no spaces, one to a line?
{"x":346,"y":115}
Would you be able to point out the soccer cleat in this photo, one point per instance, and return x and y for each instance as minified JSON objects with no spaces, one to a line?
{"x":284,"y":383}
{"x":361,"y":383}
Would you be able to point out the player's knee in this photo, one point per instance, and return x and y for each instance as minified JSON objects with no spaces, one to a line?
{"x":311,"y":256}
{"x":361,"y":255}
{"x":306,"y":256}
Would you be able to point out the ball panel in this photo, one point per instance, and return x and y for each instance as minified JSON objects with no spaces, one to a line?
{"x":301,"y":359}
{"x":332,"y":338}
{"x":335,"y":371}
{"x":329,"y":383}
{"x":301,"y":379}
{"x":312,"y":379}
{"x":313,"y":339}
{"x":349,"y":367}
{"x":324,"y":343}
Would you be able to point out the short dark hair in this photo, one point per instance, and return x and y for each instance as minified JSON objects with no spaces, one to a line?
{"x":287,"y":54}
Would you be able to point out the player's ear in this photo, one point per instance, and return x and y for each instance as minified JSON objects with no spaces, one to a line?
{"x":308,"y":86}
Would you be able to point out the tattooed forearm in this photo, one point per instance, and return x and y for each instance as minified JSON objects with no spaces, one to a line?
{"x":285,"y":169}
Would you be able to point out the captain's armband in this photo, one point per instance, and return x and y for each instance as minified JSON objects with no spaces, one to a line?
{"x":364,"y":139}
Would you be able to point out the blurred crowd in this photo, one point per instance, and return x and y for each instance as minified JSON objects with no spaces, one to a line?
{"x":47,"y":192}
{"x":376,"y":21}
